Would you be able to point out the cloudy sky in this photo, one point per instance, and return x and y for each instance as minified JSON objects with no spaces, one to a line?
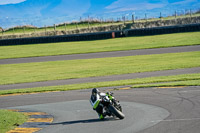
{"x":49,"y":12}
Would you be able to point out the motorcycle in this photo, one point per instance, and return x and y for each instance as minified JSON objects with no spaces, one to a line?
{"x":111,"y":106}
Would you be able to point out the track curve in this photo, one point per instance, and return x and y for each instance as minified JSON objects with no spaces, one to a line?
{"x":78,"y":116}
{"x":72,"y":112}
{"x":172,"y":110}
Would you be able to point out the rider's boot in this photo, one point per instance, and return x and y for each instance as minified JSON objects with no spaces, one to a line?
{"x":101,"y":116}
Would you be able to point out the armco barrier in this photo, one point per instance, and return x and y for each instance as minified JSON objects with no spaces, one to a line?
{"x":102,"y":35}
{"x":164,"y":30}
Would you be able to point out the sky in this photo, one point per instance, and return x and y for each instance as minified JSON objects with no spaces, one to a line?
{"x":48,"y":12}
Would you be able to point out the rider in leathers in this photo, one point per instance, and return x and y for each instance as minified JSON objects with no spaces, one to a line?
{"x":95,"y":100}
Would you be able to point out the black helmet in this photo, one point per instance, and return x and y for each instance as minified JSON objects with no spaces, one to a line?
{"x":94,"y":91}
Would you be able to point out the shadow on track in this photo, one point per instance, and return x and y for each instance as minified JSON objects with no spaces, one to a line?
{"x":84,"y":121}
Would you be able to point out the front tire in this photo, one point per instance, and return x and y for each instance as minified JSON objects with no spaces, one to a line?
{"x":116,"y":112}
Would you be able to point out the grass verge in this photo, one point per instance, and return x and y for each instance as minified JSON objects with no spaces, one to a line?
{"x":61,"y":27}
{"x":175,"y":80}
{"x":9,"y":120}
{"x":117,"y":44}
{"x":56,"y":70}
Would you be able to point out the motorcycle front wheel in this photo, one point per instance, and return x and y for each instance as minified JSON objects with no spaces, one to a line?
{"x":116,"y":112}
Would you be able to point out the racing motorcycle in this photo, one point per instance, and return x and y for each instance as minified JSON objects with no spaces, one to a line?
{"x":111,"y":106}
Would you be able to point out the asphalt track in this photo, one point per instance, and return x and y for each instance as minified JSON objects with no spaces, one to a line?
{"x":147,"y":110}
{"x":80,"y":116}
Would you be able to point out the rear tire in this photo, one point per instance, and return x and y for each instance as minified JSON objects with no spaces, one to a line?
{"x":116,"y":112}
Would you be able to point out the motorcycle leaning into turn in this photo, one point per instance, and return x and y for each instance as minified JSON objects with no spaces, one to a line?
{"x":106,"y":105}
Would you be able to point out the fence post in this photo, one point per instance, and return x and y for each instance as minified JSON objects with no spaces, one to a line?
{"x":185,"y":13}
{"x":175,"y":14}
{"x":112,"y":21}
{"x":55,"y":29}
{"x":146,"y":17}
{"x":35,"y":29}
{"x":45,"y":30}
{"x":24,"y":29}
{"x":13,"y":30}
{"x":160,"y":16}
{"x":88,"y":24}
{"x":65,"y":27}
{"x":76,"y":25}
{"x":133,"y":18}
{"x":190,"y":15}
{"x":124,"y":19}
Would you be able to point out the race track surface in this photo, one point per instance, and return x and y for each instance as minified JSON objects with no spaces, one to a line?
{"x":76,"y":116}
{"x":147,"y":110}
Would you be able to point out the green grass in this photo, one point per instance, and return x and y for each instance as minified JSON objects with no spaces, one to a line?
{"x":72,"y":26}
{"x":9,"y":120}
{"x":175,"y":80}
{"x":117,"y":44}
{"x":83,"y":25}
{"x":55,"y":70}
{"x":19,"y":31}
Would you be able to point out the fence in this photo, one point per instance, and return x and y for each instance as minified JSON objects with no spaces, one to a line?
{"x":133,"y":24}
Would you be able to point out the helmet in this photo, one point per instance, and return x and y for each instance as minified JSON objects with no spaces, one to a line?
{"x":94,"y":91}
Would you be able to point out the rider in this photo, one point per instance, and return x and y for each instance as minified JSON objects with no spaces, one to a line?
{"x":95,"y":100}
